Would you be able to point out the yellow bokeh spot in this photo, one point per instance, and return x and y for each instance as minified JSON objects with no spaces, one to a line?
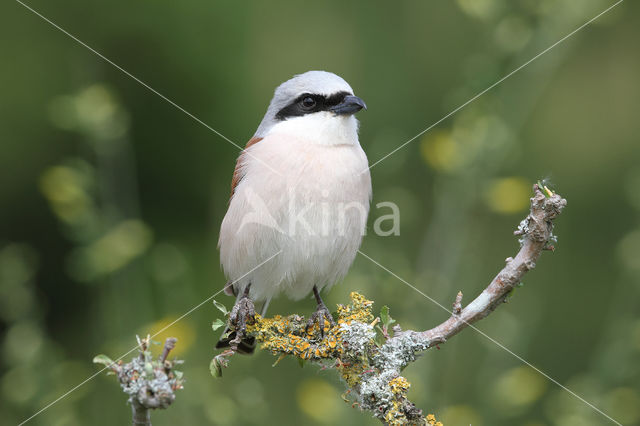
{"x":508,"y":195}
{"x":441,"y":151}
{"x":64,"y":188}
{"x":460,"y":415}
{"x":181,"y":330}
{"x":94,"y":110}
{"x":518,"y":387}
{"x":117,"y":248}
{"x":319,"y":400}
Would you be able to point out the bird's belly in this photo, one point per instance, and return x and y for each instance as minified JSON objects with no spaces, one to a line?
{"x":312,"y":214}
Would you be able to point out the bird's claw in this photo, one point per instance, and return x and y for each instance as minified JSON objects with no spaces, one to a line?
{"x":243,"y":313}
{"x":319,"y":316}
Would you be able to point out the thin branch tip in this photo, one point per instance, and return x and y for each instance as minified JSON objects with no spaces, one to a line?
{"x":169,"y":345}
{"x":457,"y":305}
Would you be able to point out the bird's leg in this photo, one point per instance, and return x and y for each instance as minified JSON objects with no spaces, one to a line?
{"x":242,"y":311}
{"x":320,"y":314}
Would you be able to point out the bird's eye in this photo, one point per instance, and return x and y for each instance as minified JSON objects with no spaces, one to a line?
{"x":308,"y":102}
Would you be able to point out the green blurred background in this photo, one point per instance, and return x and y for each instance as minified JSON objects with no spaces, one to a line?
{"x":112,"y":199}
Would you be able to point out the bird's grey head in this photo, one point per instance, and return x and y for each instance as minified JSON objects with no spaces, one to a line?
{"x":309,"y":93}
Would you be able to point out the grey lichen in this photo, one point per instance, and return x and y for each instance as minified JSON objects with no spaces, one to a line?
{"x":357,"y":339}
{"x":401,"y":350}
{"x":523,"y":230}
{"x":374,"y":392}
{"x":152,"y":386}
{"x":150,"y":383}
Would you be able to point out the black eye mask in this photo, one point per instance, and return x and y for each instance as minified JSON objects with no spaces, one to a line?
{"x":302,"y":105}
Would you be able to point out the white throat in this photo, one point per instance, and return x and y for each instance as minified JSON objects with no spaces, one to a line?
{"x":321,"y":128}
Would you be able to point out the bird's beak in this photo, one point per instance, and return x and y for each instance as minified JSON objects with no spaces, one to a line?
{"x":350,"y":105}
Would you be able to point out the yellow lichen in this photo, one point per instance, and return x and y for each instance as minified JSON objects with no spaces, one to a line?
{"x":289,"y":336}
{"x":399,"y":385}
{"x":396,"y":415}
{"x":431,"y":420}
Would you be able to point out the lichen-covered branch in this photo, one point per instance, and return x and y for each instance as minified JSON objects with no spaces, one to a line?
{"x":150,"y":383}
{"x":369,"y":359}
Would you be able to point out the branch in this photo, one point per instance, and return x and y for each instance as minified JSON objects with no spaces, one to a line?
{"x":370,"y":363}
{"x":536,"y":235}
{"x":149,"y":383}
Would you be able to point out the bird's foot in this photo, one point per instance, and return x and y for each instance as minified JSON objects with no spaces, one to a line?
{"x":243,"y":313}
{"x":318,"y":317}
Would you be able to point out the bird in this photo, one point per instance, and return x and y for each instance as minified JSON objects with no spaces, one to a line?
{"x":300,"y":197}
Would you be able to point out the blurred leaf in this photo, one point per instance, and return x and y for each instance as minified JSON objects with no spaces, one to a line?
{"x":217,"y":324}
{"x":102,"y":359}
{"x":220,"y":307}
{"x":215,"y":367}
{"x":544,"y":189}
{"x":385,"y":317}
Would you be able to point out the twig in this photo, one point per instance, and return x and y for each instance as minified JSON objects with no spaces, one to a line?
{"x":169,"y":344}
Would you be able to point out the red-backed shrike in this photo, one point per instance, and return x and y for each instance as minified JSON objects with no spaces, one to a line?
{"x":301,"y":188}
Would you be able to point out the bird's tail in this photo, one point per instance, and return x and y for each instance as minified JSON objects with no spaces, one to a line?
{"x":247,"y":344}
